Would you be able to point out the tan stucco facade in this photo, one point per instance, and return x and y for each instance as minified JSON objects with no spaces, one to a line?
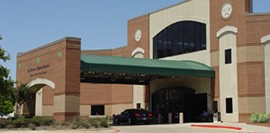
{"x":266,"y":45}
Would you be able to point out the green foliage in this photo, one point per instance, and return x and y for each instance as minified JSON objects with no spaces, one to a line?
{"x":88,"y":123}
{"x":104,"y":122}
{"x":77,"y":122}
{"x":260,"y":118}
{"x":41,"y":121}
{"x":4,"y":123}
{"x":6,"y":85}
{"x":32,"y":126}
{"x":21,"y":122}
{"x":24,"y":92}
{"x":6,"y":104}
{"x":254,"y":118}
{"x":96,"y":122}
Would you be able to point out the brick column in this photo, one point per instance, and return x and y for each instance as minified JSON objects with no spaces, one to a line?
{"x":67,"y":96}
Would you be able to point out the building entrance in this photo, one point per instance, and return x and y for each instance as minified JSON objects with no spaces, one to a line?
{"x":175,"y":100}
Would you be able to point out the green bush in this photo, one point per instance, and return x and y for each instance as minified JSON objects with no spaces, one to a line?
{"x":268,"y":118}
{"x":100,"y":122}
{"x":5,"y":123}
{"x":254,"y":118}
{"x":20,"y":122}
{"x":76,"y":123}
{"x":32,"y":126}
{"x":86,"y":124}
{"x":260,"y":118}
{"x":96,"y":124}
{"x":104,"y":122}
{"x":41,"y":121}
{"x":10,"y":126}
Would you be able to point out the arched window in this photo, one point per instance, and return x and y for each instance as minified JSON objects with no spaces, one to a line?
{"x":179,"y":38}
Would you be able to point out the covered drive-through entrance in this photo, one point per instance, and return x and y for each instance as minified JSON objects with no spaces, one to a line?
{"x":174,"y":86}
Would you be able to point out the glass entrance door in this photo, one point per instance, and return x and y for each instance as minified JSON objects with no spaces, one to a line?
{"x":176,"y":100}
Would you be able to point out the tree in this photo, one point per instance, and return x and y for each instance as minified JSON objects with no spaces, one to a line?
{"x":6,"y":85}
{"x":22,"y":94}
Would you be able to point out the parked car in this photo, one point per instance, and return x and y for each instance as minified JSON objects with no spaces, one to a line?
{"x":3,"y":116}
{"x":134,"y":116}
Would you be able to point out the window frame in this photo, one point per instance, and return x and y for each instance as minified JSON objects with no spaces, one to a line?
{"x":228,"y":56}
{"x":94,"y":110}
{"x":229,"y":105}
{"x":194,"y":40}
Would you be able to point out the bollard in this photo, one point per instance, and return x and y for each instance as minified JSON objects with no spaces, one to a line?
{"x":215,"y":118}
{"x":170,"y":118}
{"x":181,"y":118}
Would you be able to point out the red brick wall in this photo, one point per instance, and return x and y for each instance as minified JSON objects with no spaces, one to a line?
{"x":95,"y":94}
{"x":251,"y":28}
{"x":251,"y":79}
{"x":63,"y":71}
{"x":141,"y":23}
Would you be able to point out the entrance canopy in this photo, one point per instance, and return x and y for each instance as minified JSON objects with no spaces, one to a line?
{"x":111,"y":69}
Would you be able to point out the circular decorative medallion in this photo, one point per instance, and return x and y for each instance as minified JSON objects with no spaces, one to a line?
{"x":138,"y":35}
{"x":226,"y":10}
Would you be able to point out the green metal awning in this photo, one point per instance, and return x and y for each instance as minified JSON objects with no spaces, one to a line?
{"x":111,"y":69}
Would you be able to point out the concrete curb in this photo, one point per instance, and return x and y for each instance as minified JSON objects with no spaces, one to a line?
{"x":217,"y":126}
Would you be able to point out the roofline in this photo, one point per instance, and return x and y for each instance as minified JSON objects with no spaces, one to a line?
{"x":19,"y":54}
{"x":96,"y":50}
{"x":180,"y":3}
{"x":104,"y":49}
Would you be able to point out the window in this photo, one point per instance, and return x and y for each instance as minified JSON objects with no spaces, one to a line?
{"x":138,"y":105}
{"x":215,"y":106}
{"x":97,"y":110}
{"x":179,"y":38}
{"x":228,"y":56}
{"x":229,"y":105}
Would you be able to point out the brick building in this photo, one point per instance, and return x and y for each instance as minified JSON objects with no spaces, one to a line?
{"x":193,"y":56}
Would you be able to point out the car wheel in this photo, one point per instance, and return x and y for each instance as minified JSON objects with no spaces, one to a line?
{"x":130,"y":122}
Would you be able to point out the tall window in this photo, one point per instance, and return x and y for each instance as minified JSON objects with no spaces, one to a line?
{"x":97,"y":110}
{"x":228,"y":56}
{"x":229,"y":105}
{"x":179,"y":38}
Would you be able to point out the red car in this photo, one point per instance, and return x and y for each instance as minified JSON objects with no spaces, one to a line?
{"x":134,"y":116}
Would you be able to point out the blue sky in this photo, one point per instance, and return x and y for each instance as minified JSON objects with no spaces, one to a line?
{"x":101,"y":24}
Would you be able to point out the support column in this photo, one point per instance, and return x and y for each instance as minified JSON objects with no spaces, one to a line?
{"x":266,"y":42}
{"x":67,"y":99}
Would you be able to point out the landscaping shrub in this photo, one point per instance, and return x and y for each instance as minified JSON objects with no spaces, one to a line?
{"x":104,"y":122}
{"x":41,"y":121}
{"x":95,"y":122}
{"x":32,"y":123}
{"x":85,"y":123}
{"x":32,"y":126}
{"x":4,"y":123}
{"x":20,"y":122}
{"x":260,"y":118}
{"x":76,"y":123}
{"x":254,"y":118}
